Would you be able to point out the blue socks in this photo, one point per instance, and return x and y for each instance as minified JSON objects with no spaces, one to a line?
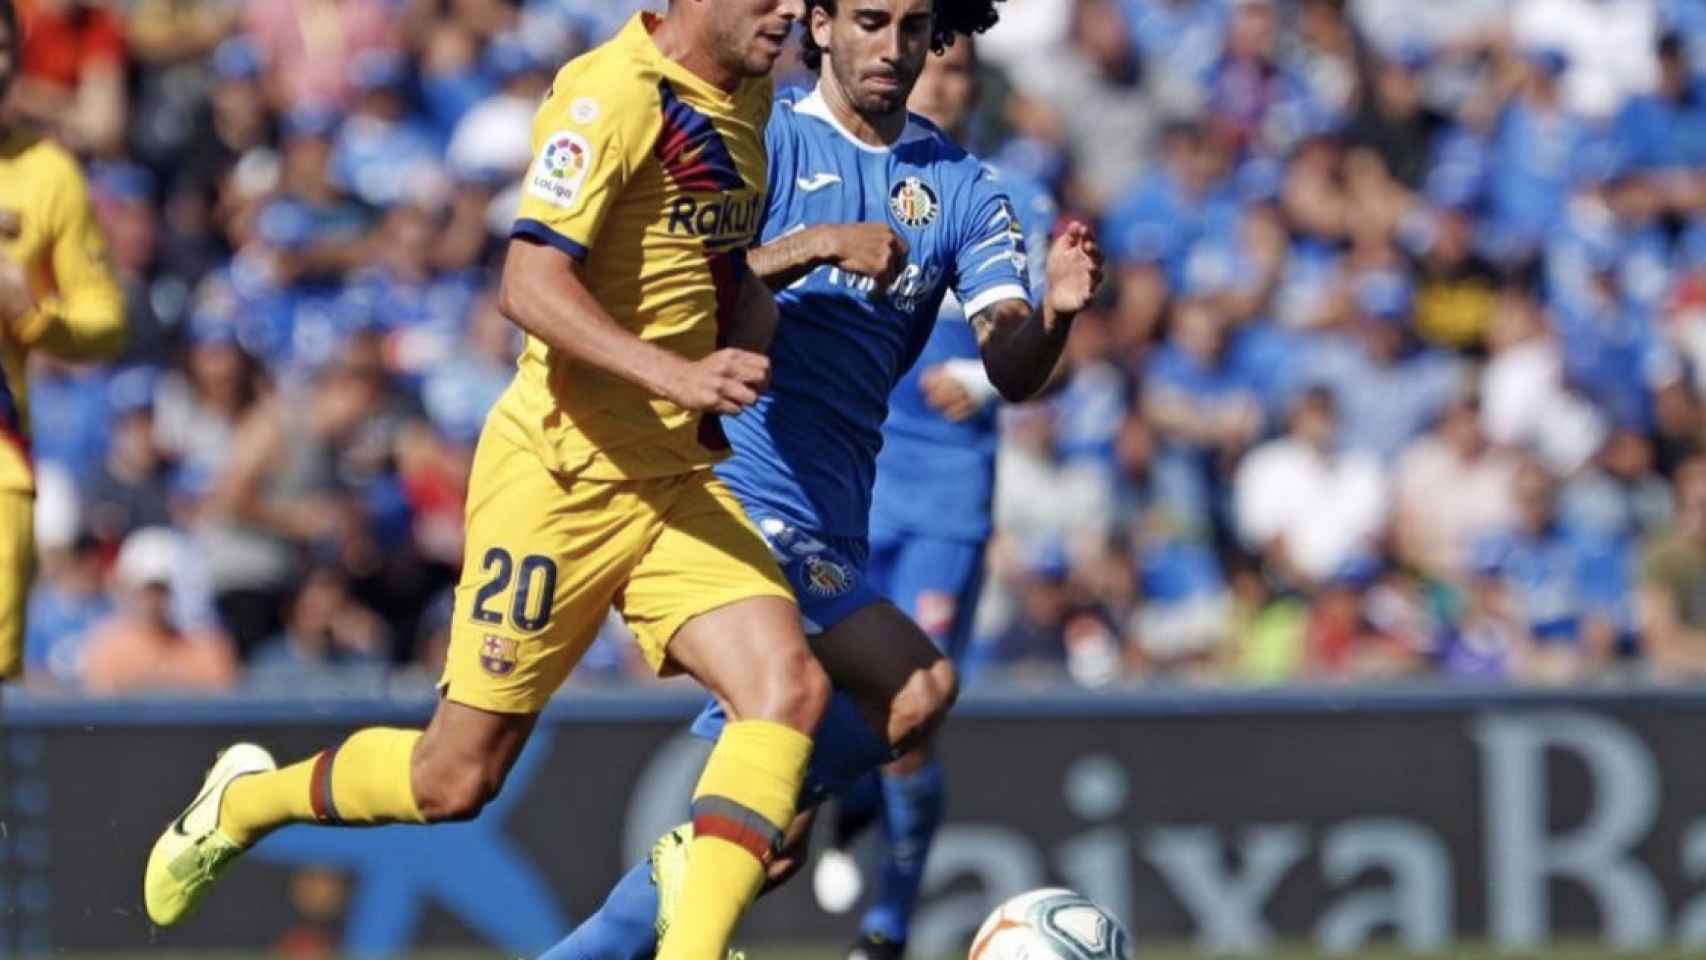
{"x":622,"y":929}
{"x":912,"y":808}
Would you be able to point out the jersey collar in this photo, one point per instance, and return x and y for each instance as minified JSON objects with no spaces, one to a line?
{"x":813,"y":105}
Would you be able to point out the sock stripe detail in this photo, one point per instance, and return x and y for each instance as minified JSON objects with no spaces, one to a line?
{"x":320,"y":788}
{"x":742,"y":826}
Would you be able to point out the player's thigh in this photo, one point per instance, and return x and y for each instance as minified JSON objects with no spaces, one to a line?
{"x":937,"y":582}
{"x":544,"y":559}
{"x":705,"y":558}
{"x":17,"y":566}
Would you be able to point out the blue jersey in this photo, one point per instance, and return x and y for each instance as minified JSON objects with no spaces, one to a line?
{"x":806,"y":452}
{"x":935,"y":476}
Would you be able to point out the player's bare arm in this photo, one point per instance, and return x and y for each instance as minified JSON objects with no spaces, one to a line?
{"x":1022,"y":347}
{"x":542,"y":293}
{"x":872,"y":250}
{"x":756,"y":316}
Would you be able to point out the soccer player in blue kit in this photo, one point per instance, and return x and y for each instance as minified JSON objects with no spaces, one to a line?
{"x":873,"y":217}
{"x":930,"y":523}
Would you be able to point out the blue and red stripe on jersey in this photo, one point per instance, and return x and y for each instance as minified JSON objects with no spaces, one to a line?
{"x":691,"y":150}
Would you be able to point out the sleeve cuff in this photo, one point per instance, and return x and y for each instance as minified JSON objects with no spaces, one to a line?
{"x":987,"y":298}
{"x":539,"y":233}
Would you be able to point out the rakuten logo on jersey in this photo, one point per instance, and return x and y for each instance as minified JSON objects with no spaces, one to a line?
{"x":727,"y":218}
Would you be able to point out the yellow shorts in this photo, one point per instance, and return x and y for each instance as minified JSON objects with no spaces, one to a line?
{"x":17,"y":564}
{"x":547,"y":557}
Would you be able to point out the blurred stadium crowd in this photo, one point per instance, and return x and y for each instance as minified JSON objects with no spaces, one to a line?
{"x":1402,"y":373}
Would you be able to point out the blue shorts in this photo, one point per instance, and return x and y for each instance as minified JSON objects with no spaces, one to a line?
{"x":827,"y":573}
{"x":935,"y":581}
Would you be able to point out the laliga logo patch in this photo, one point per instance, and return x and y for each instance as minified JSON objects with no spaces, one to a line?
{"x":913,"y":203}
{"x":825,"y":578}
{"x":497,"y":655}
{"x":561,"y":169}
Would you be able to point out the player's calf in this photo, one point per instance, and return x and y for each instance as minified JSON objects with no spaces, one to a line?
{"x":460,"y":762}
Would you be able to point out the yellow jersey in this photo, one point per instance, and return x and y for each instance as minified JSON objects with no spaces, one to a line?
{"x":654,"y":180}
{"x":79,"y":312}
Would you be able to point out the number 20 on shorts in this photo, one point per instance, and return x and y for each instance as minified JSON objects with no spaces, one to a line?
{"x":535,"y":576}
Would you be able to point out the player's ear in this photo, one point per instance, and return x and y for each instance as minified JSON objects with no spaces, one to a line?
{"x":819,"y":25}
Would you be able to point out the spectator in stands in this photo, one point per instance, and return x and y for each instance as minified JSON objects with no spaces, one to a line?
{"x":1608,"y":45}
{"x":1204,"y":413}
{"x":1389,"y":387}
{"x":68,"y":601}
{"x":73,"y":73}
{"x":1525,"y":402}
{"x":1618,"y":495}
{"x":133,"y":488}
{"x":1457,"y":284}
{"x":1393,"y":122}
{"x":1672,"y":598}
{"x":1251,"y":95}
{"x":1452,"y":488}
{"x":1095,"y":103}
{"x":1363,"y":627}
{"x":382,"y":155}
{"x":1537,"y":140}
{"x":307,"y":46}
{"x":1569,"y":585}
{"x":142,"y":647}
{"x":1306,"y":505}
{"x":1665,"y":130}
{"x":326,"y":629}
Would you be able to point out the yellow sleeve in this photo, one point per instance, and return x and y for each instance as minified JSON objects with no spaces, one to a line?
{"x":83,"y":318}
{"x":587,"y":143}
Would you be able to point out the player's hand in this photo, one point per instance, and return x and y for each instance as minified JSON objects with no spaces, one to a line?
{"x":868,"y":249}
{"x":724,"y":382}
{"x":946,"y":394}
{"x":1075,"y":270}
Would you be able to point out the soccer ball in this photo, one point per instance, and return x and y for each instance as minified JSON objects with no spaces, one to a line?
{"x":1051,"y":924}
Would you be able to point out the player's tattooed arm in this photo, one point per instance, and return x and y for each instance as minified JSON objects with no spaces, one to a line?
{"x":868,"y":249}
{"x":1021,"y":347}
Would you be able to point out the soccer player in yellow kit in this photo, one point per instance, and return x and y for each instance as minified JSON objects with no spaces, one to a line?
{"x":56,"y":295}
{"x":591,"y":485}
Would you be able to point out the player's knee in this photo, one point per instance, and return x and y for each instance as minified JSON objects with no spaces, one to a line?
{"x":921,"y":705}
{"x":453,"y":791}
{"x":796,"y":691}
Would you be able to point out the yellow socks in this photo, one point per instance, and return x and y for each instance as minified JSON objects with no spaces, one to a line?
{"x":744,"y":802}
{"x":364,"y":781}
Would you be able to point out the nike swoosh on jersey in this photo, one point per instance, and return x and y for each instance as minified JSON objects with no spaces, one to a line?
{"x":817,"y":181}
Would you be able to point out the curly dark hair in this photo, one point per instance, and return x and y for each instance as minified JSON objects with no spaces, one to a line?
{"x":954,"y":18}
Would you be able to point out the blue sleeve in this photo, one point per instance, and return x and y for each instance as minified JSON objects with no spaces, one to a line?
{"x":1037,"y":216}
{"x":779,"y":148}
{"x":991,"y":264}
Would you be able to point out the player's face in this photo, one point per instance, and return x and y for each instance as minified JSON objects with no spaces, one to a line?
{"x":749,"y":34}
{"x":947,"y":89}
{"x":877,"y":49}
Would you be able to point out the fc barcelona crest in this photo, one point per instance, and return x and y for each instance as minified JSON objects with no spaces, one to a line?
{"x":498,"y":655}
{"x":914,"y":203}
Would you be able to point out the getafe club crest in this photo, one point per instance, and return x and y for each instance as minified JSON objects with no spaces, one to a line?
{"x":826,"y":578}
{"x":914,"y":203}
